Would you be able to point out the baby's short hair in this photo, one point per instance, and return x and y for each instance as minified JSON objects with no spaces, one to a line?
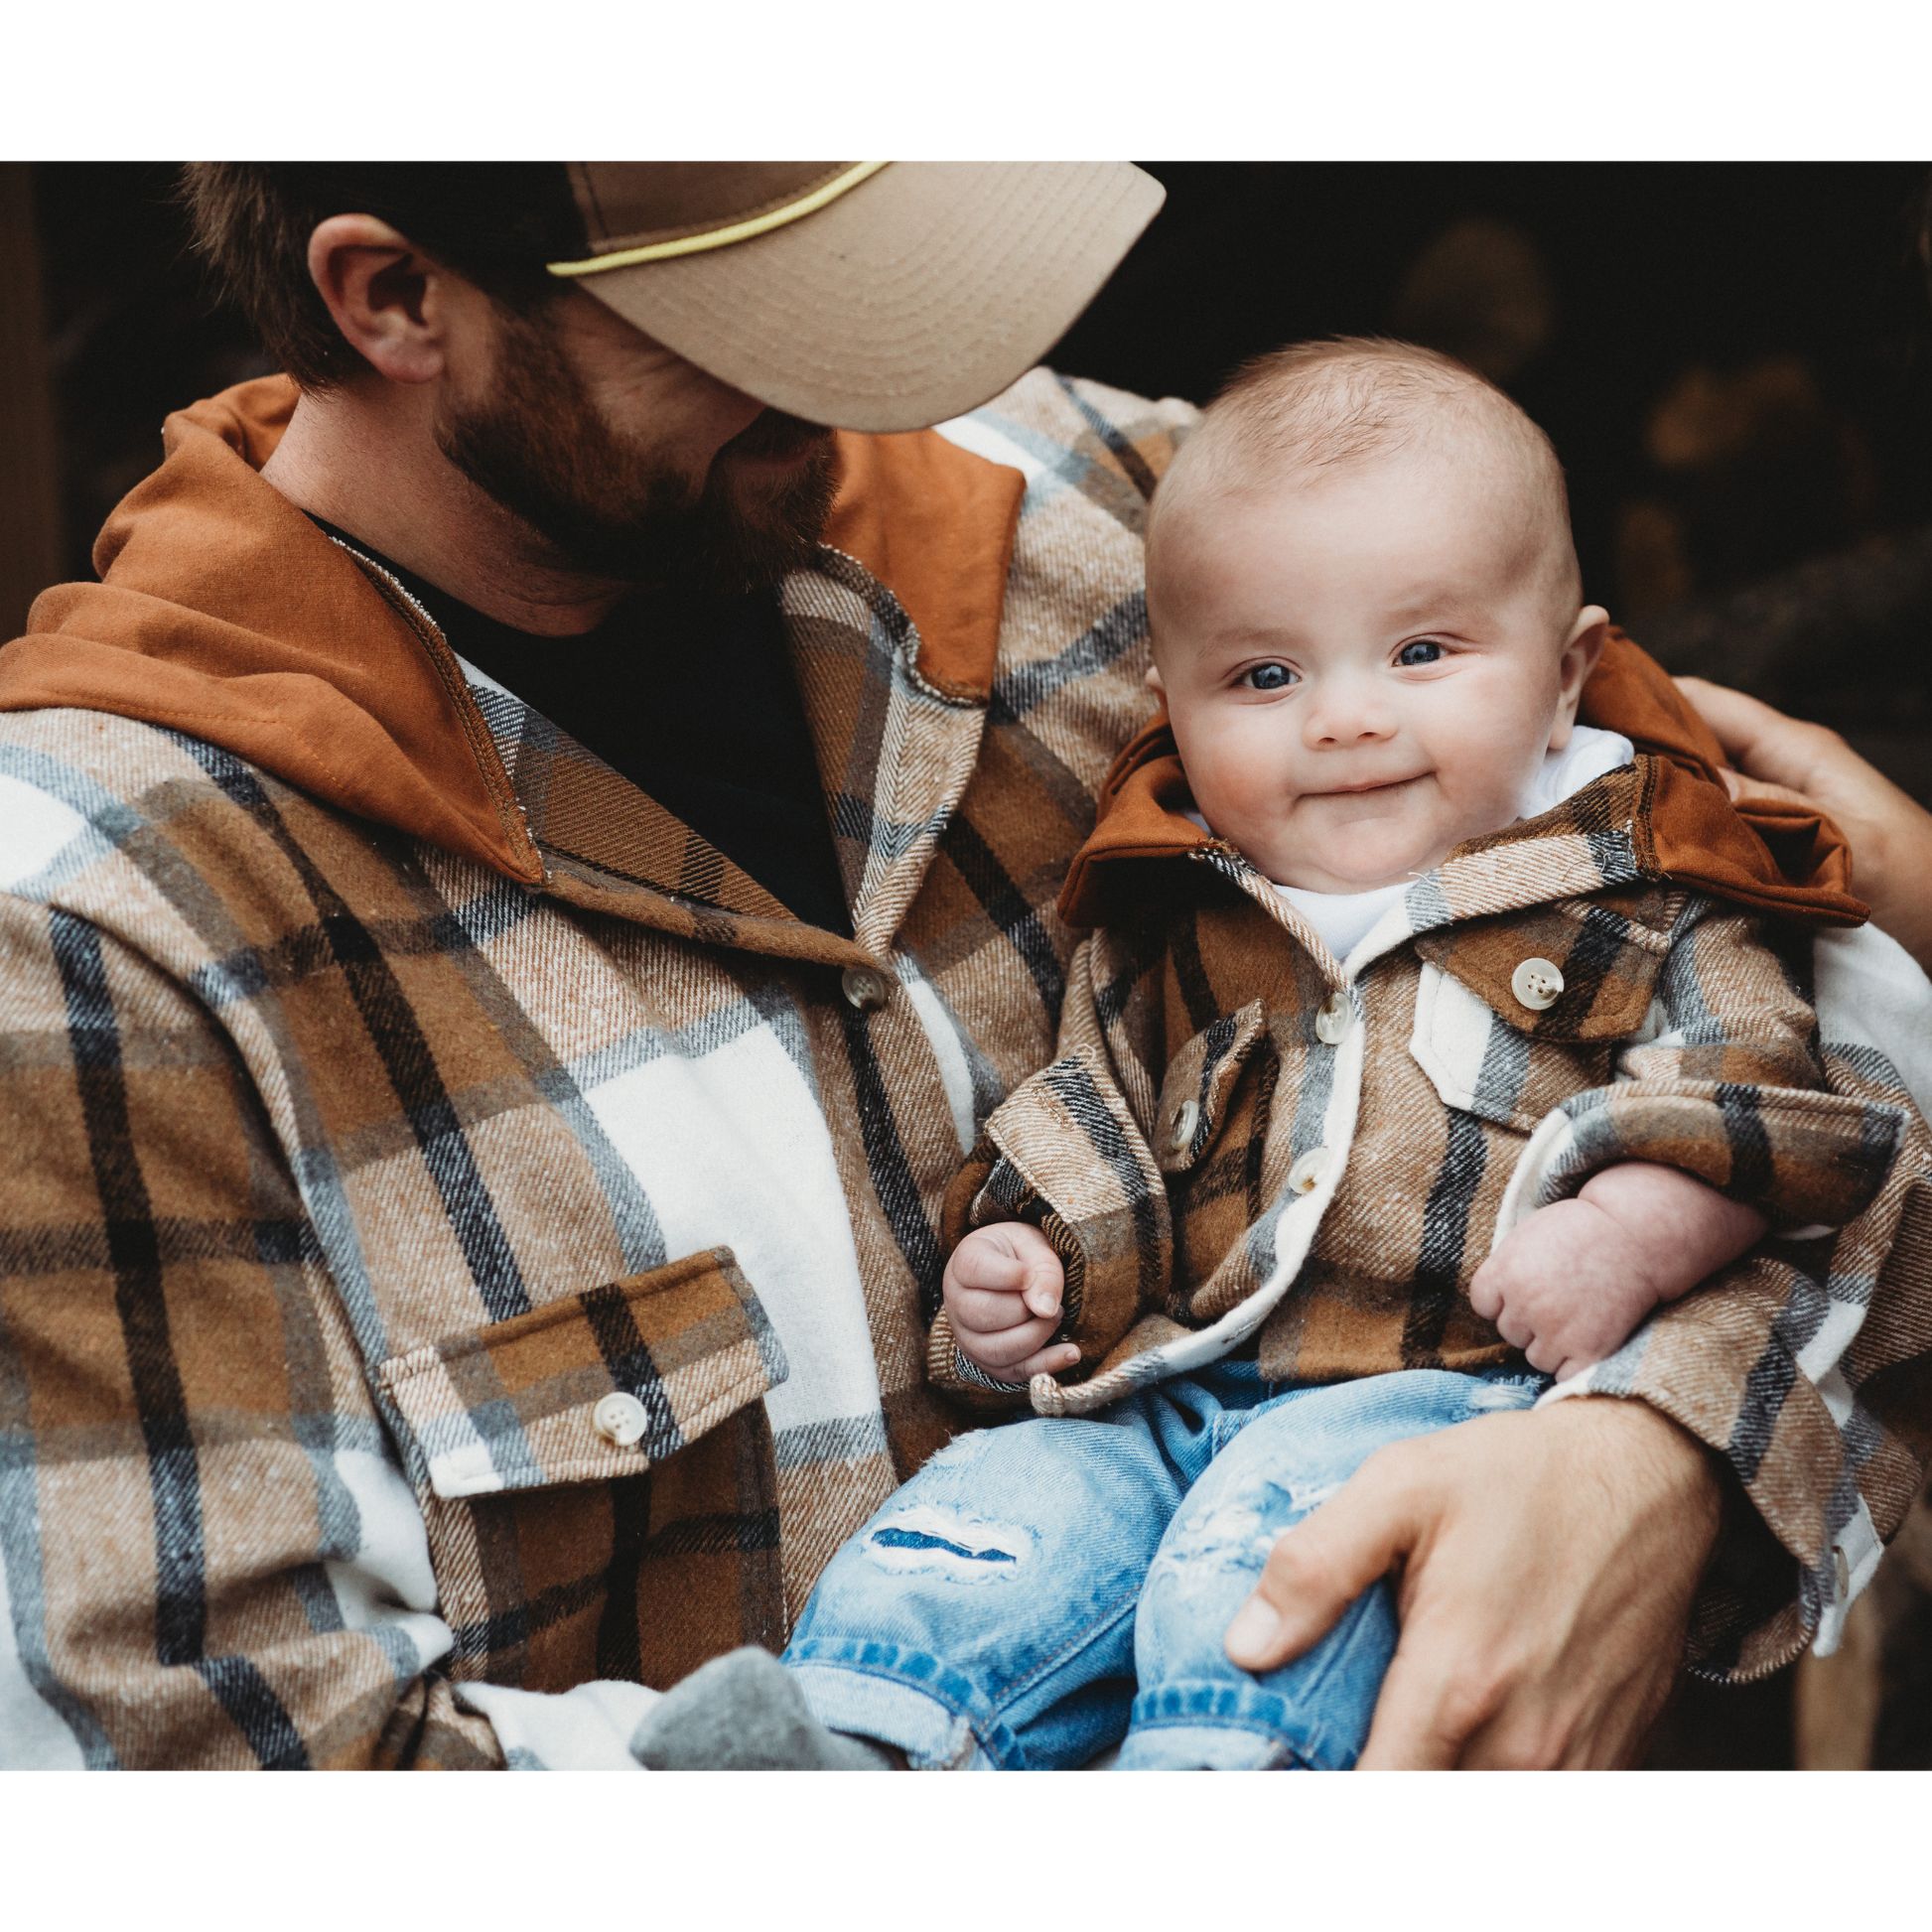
{"x":1333,"y":406}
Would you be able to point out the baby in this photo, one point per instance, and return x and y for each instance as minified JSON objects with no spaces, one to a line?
{"x":1394,"y":1083}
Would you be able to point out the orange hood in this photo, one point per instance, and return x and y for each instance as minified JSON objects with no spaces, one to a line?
{"x":225,"y":614}
{"x":1769,"y":855}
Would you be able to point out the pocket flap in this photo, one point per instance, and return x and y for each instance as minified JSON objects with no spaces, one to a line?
{"x":1201,"y":1078}
{"x":1608,"y":950}
{"x":514,"y":1405}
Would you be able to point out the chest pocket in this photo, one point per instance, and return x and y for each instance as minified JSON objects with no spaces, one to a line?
{"x":1200,"y":1081}
{"x":1515,"y":1015}
{"x":589,"y":1388}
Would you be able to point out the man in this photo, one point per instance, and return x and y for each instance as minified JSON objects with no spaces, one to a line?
{"x":522,"y":882}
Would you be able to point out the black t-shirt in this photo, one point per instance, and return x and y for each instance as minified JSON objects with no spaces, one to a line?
{"x":693,"y":699}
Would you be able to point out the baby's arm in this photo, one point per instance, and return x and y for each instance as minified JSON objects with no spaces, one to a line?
{"x":1571,"y":1282}
{"x":1002,"y":1289}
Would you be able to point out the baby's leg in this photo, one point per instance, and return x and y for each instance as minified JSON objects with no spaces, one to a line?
{"x":1198,"y":1710}
{"x":984,"y":1618}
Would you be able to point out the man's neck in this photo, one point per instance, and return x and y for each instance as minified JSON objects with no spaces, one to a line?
{"x":371,"y":467}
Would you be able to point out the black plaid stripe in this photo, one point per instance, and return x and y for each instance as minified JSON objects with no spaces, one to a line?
{"x":134,"y":1254}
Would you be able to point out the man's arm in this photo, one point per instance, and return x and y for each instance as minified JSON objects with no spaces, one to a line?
{"x":212,"y":1555}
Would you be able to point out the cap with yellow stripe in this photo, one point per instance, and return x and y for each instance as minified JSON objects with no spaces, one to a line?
{"x":867,"y":294}
{"x":690,"y":240}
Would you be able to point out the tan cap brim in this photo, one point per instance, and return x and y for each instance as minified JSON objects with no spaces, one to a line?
{"x":925,"y":290}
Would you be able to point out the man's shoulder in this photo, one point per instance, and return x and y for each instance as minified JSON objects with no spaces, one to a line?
{"x":98,"y":811}
{"x":89,"y":764}
{"x":1069,"y":435}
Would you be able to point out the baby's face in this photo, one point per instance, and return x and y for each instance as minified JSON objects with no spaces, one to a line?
{"x":1362,"y":671}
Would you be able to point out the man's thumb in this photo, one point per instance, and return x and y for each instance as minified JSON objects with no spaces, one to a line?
{"x":1316,"y":1570}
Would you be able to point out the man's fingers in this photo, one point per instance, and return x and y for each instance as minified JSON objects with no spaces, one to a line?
{"x":1320,"y":1566}
{"x":1748,"y":728}
{"x":1745,"y":790}
{"x":1759,"y":740}
{"x":1422,"y":1719}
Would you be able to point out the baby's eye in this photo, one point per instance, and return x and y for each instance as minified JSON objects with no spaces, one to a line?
{"x":1268,"y":677}
{"x":1424,"y":650}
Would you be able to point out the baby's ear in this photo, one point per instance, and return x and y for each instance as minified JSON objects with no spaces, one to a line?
{"x":1581,"y":651}
{"x":1153,"y":680}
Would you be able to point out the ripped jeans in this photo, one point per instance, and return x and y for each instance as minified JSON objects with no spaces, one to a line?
{"x":1042,"y":1588}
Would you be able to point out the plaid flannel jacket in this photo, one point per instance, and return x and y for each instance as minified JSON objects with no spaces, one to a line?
{"x":1244,"y":1138}
{"x":350,"y":1179}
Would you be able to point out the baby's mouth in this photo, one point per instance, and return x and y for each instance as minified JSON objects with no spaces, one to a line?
{"x":1364,"y":785}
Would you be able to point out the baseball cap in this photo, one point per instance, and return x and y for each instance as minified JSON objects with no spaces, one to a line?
{"x":868,"y":295}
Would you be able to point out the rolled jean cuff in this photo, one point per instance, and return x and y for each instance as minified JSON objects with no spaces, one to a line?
{"x":1215,"y":1726}
{"x":886,"y":1696}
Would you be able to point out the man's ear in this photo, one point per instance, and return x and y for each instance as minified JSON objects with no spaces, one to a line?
{"x":384,"y":294}
{"x":1581,"y":651}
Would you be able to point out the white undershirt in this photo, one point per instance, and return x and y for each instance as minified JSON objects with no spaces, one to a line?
{"x":1345,"y":920}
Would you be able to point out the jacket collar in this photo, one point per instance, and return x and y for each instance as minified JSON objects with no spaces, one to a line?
{"x":224,"y":613}
{"x":1579,"y":849}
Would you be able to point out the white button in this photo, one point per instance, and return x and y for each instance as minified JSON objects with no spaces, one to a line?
{"x":1304,"y":1177}
{"x":1331,"y":1022}
{"x":1185,"y":1123}
{"x":1537,"y":984}
{"x":620,"y":1419}
{"x":1843,"y":1571}
{"x":865,"y":988}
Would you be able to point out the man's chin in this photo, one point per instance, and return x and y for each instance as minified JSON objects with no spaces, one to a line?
{"x":766,"y":513}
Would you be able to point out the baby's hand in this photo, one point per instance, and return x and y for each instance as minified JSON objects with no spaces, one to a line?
{"x":1003,"y":1297}
{"x":1571,"y":1282}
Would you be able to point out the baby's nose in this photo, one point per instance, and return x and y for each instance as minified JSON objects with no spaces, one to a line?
{"x":1348,"y":720}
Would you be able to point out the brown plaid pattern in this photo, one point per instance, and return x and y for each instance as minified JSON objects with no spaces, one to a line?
{"x":512,"y":1405}
{"x":1450,"y":1109}
{"x":346,"y":1177}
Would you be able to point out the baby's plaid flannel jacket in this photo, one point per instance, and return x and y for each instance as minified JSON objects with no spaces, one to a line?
{"x":1247,"y":1140}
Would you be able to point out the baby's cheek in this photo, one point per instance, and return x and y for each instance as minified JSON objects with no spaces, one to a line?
{"x":1478,"y":800}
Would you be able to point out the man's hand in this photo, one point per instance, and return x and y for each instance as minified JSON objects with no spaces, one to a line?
{"x":1003,"y":1290}
{"x":1569,"y":1284}
{"x":1548,"y":1563}
{"x":1810,"y":764}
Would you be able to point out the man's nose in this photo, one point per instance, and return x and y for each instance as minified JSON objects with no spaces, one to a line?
{"x":1346,"y":711}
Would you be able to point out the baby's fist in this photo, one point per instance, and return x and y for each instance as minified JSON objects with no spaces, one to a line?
{"x":1566,"y":1286}
{"x":1003,"y":1291}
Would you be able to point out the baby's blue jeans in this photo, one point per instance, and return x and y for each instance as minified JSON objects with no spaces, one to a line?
{"x":1042,"y":1590}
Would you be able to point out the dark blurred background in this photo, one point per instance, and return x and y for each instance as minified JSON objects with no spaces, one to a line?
{"x":1735,"y":363}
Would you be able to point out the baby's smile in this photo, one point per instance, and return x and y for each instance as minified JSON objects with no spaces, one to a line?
{"x":1363,"y":668}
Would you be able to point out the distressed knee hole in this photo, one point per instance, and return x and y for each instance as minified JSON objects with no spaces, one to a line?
{"x":947,"y":1542}
{"x":1236,"y":1535}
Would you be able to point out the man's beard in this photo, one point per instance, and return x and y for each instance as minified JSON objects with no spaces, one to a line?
{"x":616,"y":510}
